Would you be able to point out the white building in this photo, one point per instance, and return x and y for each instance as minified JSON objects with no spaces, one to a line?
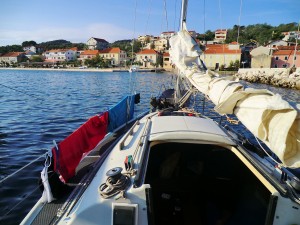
{"x":60,"y":55}
{"x":97,"y":43}
{"x":161,"y":44}
{"x":29,"y":48}
{"x":12,"y":57}
{"x":220,"y":35}
{"x":167,"y":34}
{"x":149,"y":58}
{"x":291,"y":34}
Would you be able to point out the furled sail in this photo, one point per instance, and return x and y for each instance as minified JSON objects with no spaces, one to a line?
{"x":269,"y":117}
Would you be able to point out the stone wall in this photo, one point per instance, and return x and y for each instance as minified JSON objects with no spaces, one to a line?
{"x":281,"y":77}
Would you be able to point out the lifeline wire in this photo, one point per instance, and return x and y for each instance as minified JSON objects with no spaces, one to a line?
{"x":33,"y":96}
{"x":20,"y":202}
{"x":14,"y":173}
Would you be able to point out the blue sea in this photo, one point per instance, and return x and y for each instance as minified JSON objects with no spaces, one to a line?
{"x":37,"y":107}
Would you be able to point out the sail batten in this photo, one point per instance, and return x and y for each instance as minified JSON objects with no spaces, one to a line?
{"x":265,"y":114}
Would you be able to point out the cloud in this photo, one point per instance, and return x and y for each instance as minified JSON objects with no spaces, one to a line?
{"x":109,"y":32}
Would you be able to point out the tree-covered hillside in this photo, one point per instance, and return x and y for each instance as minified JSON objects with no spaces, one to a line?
{"x":262,"y":33}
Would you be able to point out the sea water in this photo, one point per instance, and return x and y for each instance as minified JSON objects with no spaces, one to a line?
{"x":37,"y":107}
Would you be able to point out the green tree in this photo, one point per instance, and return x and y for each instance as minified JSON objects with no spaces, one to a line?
{"x":11,"y":48}
{"x":209,"y":35}
{"x":36,"y":58}
{"x":29,"y":43}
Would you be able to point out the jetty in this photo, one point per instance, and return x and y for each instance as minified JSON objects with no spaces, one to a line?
{"x":280,"y":77}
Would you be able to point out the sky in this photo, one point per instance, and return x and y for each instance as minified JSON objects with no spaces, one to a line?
{"x":78,"y":20}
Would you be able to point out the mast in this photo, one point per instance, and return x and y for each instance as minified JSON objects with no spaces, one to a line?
{"x":183,"y":14}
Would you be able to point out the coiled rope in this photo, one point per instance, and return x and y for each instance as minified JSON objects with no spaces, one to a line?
{"x":111,"y":187}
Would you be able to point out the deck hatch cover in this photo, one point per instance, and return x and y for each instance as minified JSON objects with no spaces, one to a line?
{"x":124,"y":214}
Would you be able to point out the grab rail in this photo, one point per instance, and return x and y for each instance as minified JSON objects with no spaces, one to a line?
{"x":130,"y":132}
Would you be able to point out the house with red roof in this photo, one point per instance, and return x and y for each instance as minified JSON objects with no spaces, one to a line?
{"x":97,"y":43}
{"x":12,"y":57}
{"x":286,"y":58}
{"x":149,"y":58}
{"x":88,"y":54}
{"x":115,"y":56}
{"x":221,"y":54}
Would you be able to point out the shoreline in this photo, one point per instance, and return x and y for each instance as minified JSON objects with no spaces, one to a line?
{"x":60,"y":69}
{"x":123,"y":69}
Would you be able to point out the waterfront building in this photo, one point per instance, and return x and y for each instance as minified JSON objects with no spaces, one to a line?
{"x":60,"y":55}
{"x":149,"y":58}
{"x":12,"y":57}
{"x":261,"y":57}
{"x":167,"y":62}
{"x":88,"y":54}
{"x":97,"y":44}
{"x":218,"y":55}
{"x":286,"y":58}
{"x":115,"y":56}
{"x":161,"y":44}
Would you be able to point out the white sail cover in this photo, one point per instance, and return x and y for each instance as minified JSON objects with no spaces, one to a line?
{"x":269,"y":117}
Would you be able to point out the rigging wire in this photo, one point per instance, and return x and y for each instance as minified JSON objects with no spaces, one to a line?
{"x":239,"y":22}
{"x":166,"y":14}
{"x":149,"y":13}
{"x":25,"y":93}
{"x":2,"y":217}
{"x":175,"y":16}
{"x":220,"y":14}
